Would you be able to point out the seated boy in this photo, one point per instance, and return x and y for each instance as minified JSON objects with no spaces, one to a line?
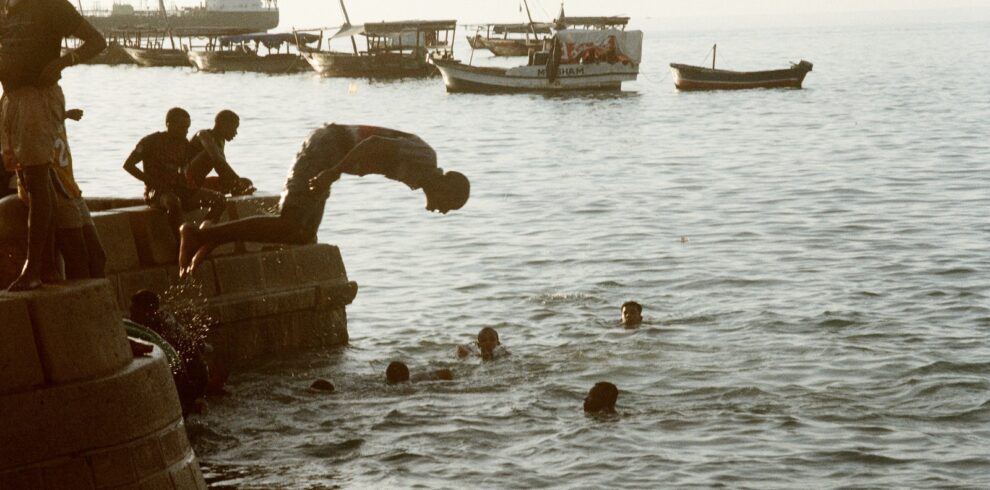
{"x":328,"y":153}
{"x":164,"y":155}
{"x":208,"y":154}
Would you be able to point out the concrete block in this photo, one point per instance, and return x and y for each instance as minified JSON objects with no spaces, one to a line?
{"x":336,"y":293}
{"x":20,"y":365}
{"x":161,"y":481}
{"x":147,"y":457}
{"x":113,"y":467}
{"x":153,"y":279}
{"x":262,"y":303}
{"x":204,"y":278}
{"x":239,"y":273}
{"x":78,"y":330}
{"x":118,"y":241}
{"x":106,"y":203}
{"x":153,"y":236}
{"x":18,"y":479}
{"x":125,"y":406}
{"x":175,"y":444}
{"x":280,"y":269}
{"x":319,"y":262}
{"x":183,"y":476}
{"x":72,"y":473}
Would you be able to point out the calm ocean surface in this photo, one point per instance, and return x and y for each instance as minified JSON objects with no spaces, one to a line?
{"x":825,"y":322}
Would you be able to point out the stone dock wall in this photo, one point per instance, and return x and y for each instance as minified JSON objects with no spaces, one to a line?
{"x":77,"y":410}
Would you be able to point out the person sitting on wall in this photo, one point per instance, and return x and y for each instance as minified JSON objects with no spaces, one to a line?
{"x":164,"y":155}
{"x":326,"y":154}
{"x":208,"y":154}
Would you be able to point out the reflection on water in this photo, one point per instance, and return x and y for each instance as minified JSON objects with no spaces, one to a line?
{"x":825,"y":324}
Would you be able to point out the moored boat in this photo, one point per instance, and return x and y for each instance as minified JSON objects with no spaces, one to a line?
{"x":577,"y":59}
{"x":393,"y":49}
{"x":157,"y":56}
{"x":688,"y":77}
{"x":235,"y":53}
{"x":513,"y":39}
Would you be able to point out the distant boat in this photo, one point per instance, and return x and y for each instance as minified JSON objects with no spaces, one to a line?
{"x":247,"y":15}
{"x":157,"y":56}
{"x":687,"y":77}
{"x":512,"y":39}
{"x":394,"y":49}
{"x":578,"y":59}
{"x":234,"y":53}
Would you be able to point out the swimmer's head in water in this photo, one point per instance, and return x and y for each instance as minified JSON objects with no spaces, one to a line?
{"x":632,"y":313}
{"x":451,"y":193}
{"x":396,"y":372}
{"x":487,"y":342}
{"x":601,"y":398}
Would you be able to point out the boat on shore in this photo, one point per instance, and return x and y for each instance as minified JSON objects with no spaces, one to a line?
{"x":688,"y":77}
{"x":575,"y":60}
{"x":393,"y":49}
{"x":236,"y":53}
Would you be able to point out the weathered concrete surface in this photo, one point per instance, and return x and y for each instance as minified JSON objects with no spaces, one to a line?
{"x":96,"y":417}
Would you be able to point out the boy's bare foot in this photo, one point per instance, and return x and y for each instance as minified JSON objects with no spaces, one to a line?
{"x":188,"y":245}
{"x":26,"y":282}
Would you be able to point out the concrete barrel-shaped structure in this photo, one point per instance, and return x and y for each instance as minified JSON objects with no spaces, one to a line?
{"x":78,"y":410}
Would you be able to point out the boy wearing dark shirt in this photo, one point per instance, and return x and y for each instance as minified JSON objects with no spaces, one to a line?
{"x":165,"y":155}
{"x":32,"y":111}
{"x":329,"y":152}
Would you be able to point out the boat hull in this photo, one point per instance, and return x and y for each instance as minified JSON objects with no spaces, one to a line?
{"x":224,"y":61}
{"x":476,"y":41}
{"x":602,"y":77}
{"x":687,"y":77}
{"x":113,"y":55}
{"x":158,"y":57}
{"x":261,"y":20}
{"x":511,"y":47}
{"x":389,"y":65}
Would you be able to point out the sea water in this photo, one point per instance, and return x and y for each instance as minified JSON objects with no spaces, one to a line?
{"x":813,"y":266}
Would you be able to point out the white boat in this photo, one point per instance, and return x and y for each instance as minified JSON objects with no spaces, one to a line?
{"x":577,"y":59}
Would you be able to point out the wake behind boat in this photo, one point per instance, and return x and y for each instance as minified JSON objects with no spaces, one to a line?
{"x":575,"y":59}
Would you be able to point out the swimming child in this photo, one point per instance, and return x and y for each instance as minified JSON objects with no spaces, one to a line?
{"x":488,"y":347}
{"x":632,"y":314}
{"x":601,"y":398}
{"x":398,"y":372}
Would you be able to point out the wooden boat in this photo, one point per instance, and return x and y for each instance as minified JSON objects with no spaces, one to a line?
{"x":687,"y":77}
{"x":235,"y":53}
{"x":157,"y":56}
{"x":589,"y":60}
{"x":513,"y":39}
{"x":114,"y":54}
{"x":394,"y":49}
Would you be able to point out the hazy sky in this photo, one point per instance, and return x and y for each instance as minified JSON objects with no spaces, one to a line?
{"x":313,"y":13}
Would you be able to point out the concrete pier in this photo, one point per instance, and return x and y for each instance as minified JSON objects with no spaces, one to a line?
{"x":78,"y":411}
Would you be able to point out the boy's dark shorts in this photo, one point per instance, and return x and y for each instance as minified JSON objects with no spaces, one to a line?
{"x":306,"y":212}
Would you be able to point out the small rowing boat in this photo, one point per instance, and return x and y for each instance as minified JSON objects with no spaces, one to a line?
{"x":687,"y":77}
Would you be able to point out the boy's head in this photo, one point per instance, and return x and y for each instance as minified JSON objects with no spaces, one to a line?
{"x":226,"y":124}
{"x":452,"y":192}
{"x":487,"y":342}
{"x":396,"y":372}
{"x":144,"y":306}
{"x":632,"y":313}
{"x":177,"y":122}
{"x":601,"y":398}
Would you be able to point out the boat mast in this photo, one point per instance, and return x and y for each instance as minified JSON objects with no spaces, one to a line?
{"x":168,"y":27}
{"x":714,"y":52}
{"x":347,"y":19}
{"x":531,"y":26}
